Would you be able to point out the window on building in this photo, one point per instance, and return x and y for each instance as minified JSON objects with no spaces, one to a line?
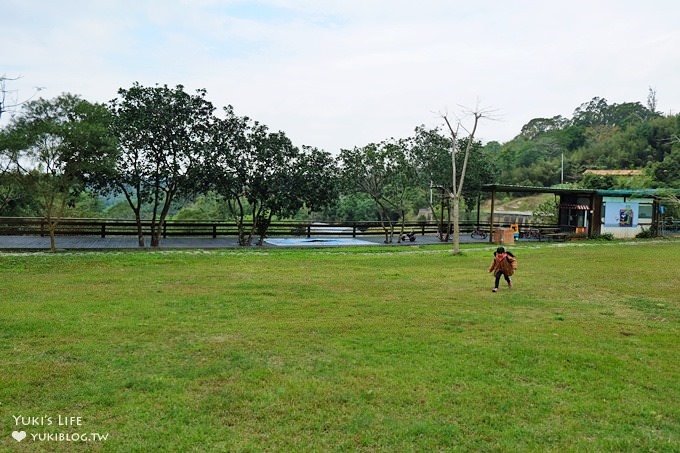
{"x":645,"y":211}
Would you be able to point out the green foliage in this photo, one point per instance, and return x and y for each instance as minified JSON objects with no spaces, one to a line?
{"x":50,"y":151}
{"x":547,"y":211}
{"x":15,"y":199}
{"x":603,"y":237}
{"x":353,"y":207}
{"x":598,"y":136}
{"x":261,"y":174}
{"x":168,"y":152}
{"x":384,"y":173}
{"x":162,"y":133}
{"x":667,"y":172}
{"x":592,"y":181}
{"x":86,"y":205}
{"x":209,"y":206}
{"x":119,"y":210}
{"x":645,"y":234}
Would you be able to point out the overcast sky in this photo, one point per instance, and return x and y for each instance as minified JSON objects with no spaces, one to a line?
{"x":345,"y":73}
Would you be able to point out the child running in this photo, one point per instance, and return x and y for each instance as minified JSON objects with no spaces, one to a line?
{"x":503,"y":264}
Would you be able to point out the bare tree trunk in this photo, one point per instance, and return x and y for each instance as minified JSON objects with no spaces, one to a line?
{"x":238,"y":216}
{"x":154,"y":223}
{"x":263,"y":229}
{"x":458,"y":185}
{"x":257,"y":212}
{"x":385,"y":216}
{"x":169,"y":195}
{"x":456,"y":224}
{"x":449,"y":220}
{"x":403,"y":226}
{"x":53,"y":218}
{"x":137,"y":209}
{"x":52,"y":227}
{"x":140,"y":229}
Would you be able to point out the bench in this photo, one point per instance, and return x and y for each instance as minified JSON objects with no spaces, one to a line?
{"x":554,"y":236}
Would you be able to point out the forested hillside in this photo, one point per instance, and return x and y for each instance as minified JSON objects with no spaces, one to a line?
{"x":598,"y":136}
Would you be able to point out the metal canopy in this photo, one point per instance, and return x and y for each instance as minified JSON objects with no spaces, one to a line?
{"x":534,"y":189}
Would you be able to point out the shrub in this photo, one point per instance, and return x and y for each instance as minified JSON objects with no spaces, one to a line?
{"x":644,"y":234}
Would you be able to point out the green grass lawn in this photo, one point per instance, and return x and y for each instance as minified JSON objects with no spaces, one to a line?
{"x":379,"y":349}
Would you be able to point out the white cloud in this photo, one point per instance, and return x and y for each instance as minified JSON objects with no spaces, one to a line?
{"x":341,"y":74}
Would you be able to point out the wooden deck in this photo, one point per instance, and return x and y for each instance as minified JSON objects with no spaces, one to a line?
{"x":37,"y":243}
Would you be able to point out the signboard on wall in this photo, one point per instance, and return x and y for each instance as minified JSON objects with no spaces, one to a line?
{"x":621,"y":214}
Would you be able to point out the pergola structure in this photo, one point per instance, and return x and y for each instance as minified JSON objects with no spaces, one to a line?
{"x":581,"y":210}
{"x":577,"y":207}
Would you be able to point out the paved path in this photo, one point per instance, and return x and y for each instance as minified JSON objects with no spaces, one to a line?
{"x":117,"y":243}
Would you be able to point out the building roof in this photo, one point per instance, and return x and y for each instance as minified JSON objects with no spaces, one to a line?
{"x":642,"y":193}
{"x":534,"y":189}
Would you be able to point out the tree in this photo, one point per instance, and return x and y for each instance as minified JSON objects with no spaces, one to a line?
{"x":7,"y":104}
{"x":383,"y":172}
{"x":162,"y":133}
{"x":351,"y":207}
{"x":429,"y":153}
{"x":207,"y":205}
{"x":262,"y":174}
{"x":318,"y":179}
{"x":547,"y":211}
{"x":667,"y":172}
{"x":539,"y":126}
{"x":598,"y":112}
{"x":10,"y":177}
{"x":591,"y":181}
{"x":651,"y":100}
{"x":457,"y":182}
{"x":57,"y":145}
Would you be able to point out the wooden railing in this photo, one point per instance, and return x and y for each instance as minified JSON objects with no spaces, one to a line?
{"x":35,"y":226}
{"x":210,"y":228}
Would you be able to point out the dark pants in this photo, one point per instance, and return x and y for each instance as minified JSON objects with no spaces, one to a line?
{"x":498,"y":278}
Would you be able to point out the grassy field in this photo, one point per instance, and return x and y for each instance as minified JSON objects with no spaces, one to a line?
{"x":379,"y":349}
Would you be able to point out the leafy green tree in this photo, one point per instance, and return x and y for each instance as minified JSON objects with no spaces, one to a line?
{"x":262,"y":174}
{"x":383,"y":172}
{"x":207,"y":206}
{"x":591,"y":181}
{"x":318,"y":176}
{"x":547,"y":211}
{"x":162,"y":133}
{"x":598,"y":112}
{"x":667,"y":172}
{"x":86,"y":204}
{"x":57,"y":145}
{"x":15,"y":200}
{"x":352,"y":207}
{"x":540,"y":126}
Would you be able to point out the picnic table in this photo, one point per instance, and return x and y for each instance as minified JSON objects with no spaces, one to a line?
{"x":552,"y":234}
